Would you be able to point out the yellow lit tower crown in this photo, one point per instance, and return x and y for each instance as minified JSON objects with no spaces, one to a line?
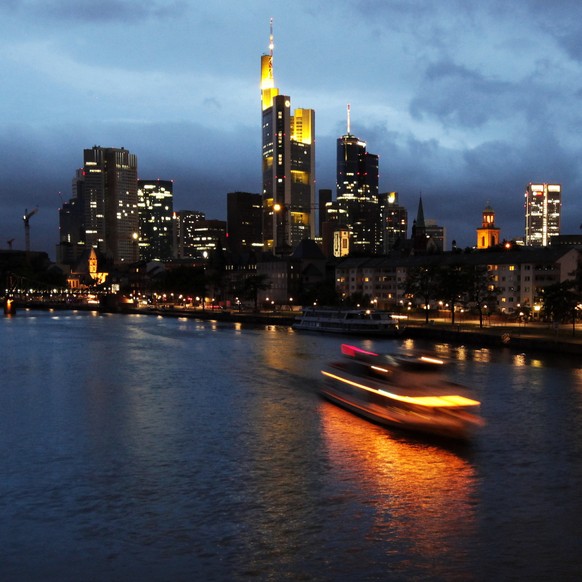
{"x":268,"y":90}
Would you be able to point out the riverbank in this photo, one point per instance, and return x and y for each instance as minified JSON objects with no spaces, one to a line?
{"x":534,"y":338}
{"x":518,"y":336}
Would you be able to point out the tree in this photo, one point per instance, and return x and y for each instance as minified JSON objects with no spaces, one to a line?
{"x":423,"y":282}
{"x":453,"y":284}
{"x":322,"y":293}
{"x":251,"y":286}
{"x":560,"y":301}
{"x":183,"y":280}
{"x":358,"y":299}
{"x":480,"y":288}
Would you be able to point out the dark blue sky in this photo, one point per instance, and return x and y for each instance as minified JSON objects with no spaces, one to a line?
{"x":464,"y":101}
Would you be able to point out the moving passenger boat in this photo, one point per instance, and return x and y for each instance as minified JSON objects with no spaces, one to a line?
{"x":405,"y":391}
{"x":347,"y":321}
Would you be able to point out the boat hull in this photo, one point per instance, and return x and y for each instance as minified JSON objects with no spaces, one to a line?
{"x":352,"y":322}
{"x":448,"y":423}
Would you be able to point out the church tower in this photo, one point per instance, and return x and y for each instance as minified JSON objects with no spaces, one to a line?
{"x":488,"y":235}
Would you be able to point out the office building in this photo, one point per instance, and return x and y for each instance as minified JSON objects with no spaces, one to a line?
{"x":103,"y":212}
{"x":394,"y":221}
{"x":357,"y":193}
{"x":156,"y":224}
{"x":71,"y":244}
{"x":208,"y":236}
{"x":185,"y":222}
{"x":288,"y":162}
{"x":244,"y":222}
{"x":325,"y":199}
{"x":543,"y":204}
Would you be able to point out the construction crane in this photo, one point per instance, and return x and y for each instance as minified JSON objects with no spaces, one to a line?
{"x":9,"y":242}
{"x":27,"y":216}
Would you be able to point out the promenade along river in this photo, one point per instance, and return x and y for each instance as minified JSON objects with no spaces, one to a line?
{"x":148,"y":448}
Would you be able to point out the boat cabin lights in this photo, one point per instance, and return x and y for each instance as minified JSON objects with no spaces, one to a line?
{"x":447,"y":401}
{"x":431,"y":360}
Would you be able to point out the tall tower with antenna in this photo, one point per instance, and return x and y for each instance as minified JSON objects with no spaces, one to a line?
{"x":357,"y":192}
{"x":288,"y":165}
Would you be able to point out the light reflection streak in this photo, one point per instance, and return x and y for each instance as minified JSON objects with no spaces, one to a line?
{"x":482,"y":356}
{"x":423,"y":495}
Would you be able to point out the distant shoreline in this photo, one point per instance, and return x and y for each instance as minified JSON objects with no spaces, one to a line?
{"x":515,"y":337}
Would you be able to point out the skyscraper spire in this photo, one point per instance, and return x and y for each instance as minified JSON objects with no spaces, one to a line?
{"x":268,"y":90}
{"x":349,"y":122}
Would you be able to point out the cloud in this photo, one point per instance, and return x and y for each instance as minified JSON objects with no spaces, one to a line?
{"x":107,"y":11}
{"x":459,"y":97}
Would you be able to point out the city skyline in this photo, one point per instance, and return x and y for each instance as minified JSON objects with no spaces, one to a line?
{"x":466,"y":104}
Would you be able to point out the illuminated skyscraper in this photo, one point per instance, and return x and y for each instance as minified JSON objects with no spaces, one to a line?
{"x":394,"y":220}
{"x":185,"y":228}
{"x":103,"y":213}
{"x":288,"y":154}
{"x":543,"y":203}
{"x":357,"y":193}
{"x":156,"y":225}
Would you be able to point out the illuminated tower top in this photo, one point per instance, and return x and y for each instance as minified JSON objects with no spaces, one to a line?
{"x":348,"y":133}
{"x":488,"y":235}
{"x":268,"y":90}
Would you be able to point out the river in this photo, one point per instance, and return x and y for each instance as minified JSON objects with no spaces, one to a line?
{"x":137,"y":447}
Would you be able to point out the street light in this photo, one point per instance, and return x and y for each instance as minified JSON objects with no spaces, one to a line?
{"x":205,"y":257}
{"x":135,"y":236}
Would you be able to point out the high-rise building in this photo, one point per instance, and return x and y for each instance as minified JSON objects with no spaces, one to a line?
{"x":288,"y":156}
{"x":110,"y":192}
{"x":156,"y":225}
{"x":103,"y":213}
{"x":394,"y":220}
{"x":325,"y":198}
{"x":543,"y":203}
{"x":244,"y":220}
{"x":208,"y":236}
{"x":185,"y":224}
{"x":72,"y":226}
{"x":357,"y":193}
{"x":488,"y":235}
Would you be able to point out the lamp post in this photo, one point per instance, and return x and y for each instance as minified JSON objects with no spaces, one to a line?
{"x":204,"y":257}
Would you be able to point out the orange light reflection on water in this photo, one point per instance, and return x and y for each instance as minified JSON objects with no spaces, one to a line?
{"x":423,"y":495}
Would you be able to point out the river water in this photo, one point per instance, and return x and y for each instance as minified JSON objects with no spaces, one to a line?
{"x":148,"y":448}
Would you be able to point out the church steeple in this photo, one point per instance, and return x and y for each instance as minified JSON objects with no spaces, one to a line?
{"x":488,"y":235}
{"x":420,"y":214}
{"x":419,"y":238}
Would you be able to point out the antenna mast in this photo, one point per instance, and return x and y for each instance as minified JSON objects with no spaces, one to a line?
{"x":271,"y":41}
{"x":349,"y":123}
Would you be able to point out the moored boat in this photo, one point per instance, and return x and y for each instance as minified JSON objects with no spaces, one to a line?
{"x":347,"y":321}
{"x":409,"y":392}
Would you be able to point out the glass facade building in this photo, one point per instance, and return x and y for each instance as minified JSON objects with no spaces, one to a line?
{"x":357,"y":194}
{"x":156,"y":224}
{"x":288,"y":166}
{"x":543,"y":205}
{"x":103,"y":212}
